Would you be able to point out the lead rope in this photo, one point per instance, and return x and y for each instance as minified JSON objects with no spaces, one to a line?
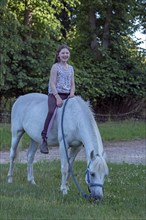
{"x":69,"y":164}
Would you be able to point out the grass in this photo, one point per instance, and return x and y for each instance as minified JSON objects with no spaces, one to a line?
{"x":123,"y":130}
{"x":124,"y":199}
{"x":5,"y":137}
{"x":110,"y":131}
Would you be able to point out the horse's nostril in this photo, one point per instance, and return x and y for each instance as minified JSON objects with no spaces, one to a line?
{"x":97,"y":198}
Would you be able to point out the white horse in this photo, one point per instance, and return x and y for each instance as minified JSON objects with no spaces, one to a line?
{"x":80,"y":129}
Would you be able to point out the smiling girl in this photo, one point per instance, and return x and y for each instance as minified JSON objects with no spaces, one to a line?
{"x":61,"y":86}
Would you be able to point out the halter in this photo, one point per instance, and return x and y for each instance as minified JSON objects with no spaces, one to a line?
{"x":69,"y":164}
{"x":88,"y":179}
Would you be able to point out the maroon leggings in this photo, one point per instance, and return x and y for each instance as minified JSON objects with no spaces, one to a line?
{"x":51,"y":105}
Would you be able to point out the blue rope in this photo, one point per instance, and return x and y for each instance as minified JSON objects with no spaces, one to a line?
{"x":70,"y":167}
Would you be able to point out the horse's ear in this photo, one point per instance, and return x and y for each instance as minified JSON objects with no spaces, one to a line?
{"x":92,"y":155}
{"x":104,"y":155}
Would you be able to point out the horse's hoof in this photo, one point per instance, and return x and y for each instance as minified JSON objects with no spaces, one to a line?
{"x":32,"y":182}
{"x":10,"y":180}
{"x":64,"y":192}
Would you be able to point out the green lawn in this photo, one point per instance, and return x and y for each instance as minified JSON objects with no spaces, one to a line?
{"x":110,"y":131}
{"x":123,"y":130}
{"x":124,"y":199}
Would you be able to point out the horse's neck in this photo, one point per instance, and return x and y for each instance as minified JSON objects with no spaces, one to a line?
{"x":91,"y":138}
{"x":99,"y":145}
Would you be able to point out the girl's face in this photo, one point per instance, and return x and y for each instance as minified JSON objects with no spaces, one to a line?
{"x":64,"y":55}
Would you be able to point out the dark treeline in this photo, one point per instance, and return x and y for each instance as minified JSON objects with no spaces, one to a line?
{"x":109,"y":70}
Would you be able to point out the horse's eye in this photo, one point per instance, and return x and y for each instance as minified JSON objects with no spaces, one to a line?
{"x":92,"y":174}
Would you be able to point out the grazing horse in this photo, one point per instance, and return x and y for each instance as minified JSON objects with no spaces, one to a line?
{"x":80,"y":129}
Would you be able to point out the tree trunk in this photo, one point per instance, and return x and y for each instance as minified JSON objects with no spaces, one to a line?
{"x":92,"y":19}
{"x":93,"y":31}
{"x":106,"y":29}
{"x":28,"y":16}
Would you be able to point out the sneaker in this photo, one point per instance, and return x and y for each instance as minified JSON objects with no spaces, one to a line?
{"x":44,"y":148}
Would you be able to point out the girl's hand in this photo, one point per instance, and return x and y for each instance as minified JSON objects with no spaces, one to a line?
{"x":59,"y":101}
{"x":71,"y":95}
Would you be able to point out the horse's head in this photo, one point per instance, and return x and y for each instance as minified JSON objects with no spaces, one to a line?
{"x":96,"y":172}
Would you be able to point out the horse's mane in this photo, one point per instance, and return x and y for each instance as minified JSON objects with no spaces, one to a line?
{"x":87,"y":109}
{"x":90,"y":119}
{"x":101,"y":165}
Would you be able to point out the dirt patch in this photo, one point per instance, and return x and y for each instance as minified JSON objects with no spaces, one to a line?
{"x":132,"y":152}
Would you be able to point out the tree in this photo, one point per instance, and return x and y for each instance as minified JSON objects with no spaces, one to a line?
{"x":107,"y":65}
{"x":33,"y":30}
{"x":110,"y":67}
{"x":26,"y":49}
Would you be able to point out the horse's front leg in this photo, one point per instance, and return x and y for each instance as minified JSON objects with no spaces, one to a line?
{"x":72,"y":155}
{"x":64,"y":167}
{"x":30,"y":158}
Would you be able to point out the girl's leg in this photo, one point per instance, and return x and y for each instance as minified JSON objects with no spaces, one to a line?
{"x":51,"y":106}
{"x":63,"y":95}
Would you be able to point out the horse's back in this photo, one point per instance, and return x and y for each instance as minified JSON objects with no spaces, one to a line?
{"x":26,"y":102}
{"x":28,"y":110}
{"x":27,"y":99}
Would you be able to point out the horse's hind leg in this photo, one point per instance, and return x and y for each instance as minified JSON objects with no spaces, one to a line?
{"x":30,"y":157}
{"x":14,"y":143}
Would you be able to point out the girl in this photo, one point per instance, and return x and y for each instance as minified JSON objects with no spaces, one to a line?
{"x":61,"y":86}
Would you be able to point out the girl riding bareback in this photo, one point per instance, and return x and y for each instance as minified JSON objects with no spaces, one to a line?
{"x":61,"y":86}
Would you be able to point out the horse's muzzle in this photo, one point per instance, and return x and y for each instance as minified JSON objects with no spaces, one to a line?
{"x":94,"y":196}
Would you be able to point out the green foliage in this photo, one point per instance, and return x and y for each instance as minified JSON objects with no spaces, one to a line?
{"x":106,"y":60}
{"x":118,"y":71}
{"x":23,"y":59}
{"x":33,"y":31}
{"x":114,"y":76}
